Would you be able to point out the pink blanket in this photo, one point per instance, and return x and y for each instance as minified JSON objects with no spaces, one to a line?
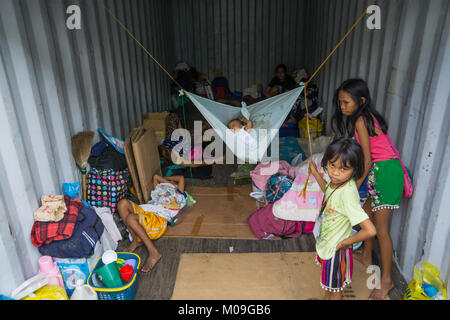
{"x":263,"y":171}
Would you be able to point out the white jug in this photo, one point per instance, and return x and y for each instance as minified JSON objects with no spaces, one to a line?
{"x":83,"y":292}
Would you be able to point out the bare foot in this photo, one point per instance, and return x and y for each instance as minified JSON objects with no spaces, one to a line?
{"x":134,"y":245}
{"x":380,"y":294}
{"x":151,"y":261}
{"x":366,"y":261}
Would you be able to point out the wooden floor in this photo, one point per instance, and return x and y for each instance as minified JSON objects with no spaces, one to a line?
{"x":158,"y":284}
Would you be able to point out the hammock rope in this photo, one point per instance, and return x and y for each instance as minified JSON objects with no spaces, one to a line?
{"x":190,"y":166}
{"x":303,"y":192}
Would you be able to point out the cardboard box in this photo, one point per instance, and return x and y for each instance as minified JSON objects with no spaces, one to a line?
{"x":128,"y":148}
{"x":141,"y":152}
{"x":156,"y":121}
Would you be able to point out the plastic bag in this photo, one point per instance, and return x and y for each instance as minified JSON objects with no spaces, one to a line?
{"x":48,"y":293}
{"x":73,"y":270}
{"x":315,"y":127}
{"x":72,"y":190}
{"x":425,"y":274}
{"x":277,"y":186}
{"x":115,"y":142}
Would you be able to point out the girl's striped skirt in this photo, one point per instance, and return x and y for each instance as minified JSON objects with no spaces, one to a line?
{"x":337,"y":271}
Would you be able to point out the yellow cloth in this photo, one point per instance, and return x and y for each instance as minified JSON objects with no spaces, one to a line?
{"x":154,"y":225}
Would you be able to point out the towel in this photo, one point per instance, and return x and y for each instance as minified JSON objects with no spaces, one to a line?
{"x":52,"y":209}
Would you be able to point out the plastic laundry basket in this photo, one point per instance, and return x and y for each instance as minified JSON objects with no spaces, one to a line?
{"x":125,"y":292}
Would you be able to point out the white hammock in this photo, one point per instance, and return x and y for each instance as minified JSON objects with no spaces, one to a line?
{"x":267,"y":117}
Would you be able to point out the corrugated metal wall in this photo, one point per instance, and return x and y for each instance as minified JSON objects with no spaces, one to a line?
{"x":244,"y":39}
{"x":407,"y":67}
{"x":55,"y":82}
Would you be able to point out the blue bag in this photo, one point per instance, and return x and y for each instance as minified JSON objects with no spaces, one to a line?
{"x":277,"y":186}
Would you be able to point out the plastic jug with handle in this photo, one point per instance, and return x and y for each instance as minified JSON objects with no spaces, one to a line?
{"x":84,"y":292}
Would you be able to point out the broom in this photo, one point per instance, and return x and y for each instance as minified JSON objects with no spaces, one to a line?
{"x":81,"y":149}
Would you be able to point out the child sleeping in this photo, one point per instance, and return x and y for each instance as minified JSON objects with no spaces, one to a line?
{"x":242,"y":129}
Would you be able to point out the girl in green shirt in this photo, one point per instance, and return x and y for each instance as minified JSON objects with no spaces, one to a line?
{"x":341,"y":210}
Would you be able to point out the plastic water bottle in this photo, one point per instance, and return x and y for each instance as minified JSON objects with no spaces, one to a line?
{"x":84,"y":292}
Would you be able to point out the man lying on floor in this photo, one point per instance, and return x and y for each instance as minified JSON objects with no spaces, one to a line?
{"x":146,"y":226}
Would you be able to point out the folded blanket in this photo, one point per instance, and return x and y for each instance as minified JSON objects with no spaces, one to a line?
{"x":46,"y":232}
{"x":52,"y":209}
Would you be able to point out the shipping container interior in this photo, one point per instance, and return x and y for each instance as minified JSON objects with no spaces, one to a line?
{"x":57,"y":80}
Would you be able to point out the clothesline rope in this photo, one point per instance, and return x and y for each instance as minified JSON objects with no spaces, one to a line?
{"x":140,"y":44}
{"x":303,"y":193}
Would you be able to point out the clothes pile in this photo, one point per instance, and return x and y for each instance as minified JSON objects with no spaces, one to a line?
{"x":74,"y":236}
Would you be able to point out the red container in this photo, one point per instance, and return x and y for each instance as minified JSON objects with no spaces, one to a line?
{"x":126,"y":272}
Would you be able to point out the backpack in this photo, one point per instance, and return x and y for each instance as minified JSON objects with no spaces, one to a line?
{"x":88,"y":230}
{"x":220,"y":88}
{"x":263,"y":224}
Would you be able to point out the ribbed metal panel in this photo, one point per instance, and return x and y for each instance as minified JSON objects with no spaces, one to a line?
{"x":407,"y":67}
{"x":55,"y":82}
{"x":244,"y":39}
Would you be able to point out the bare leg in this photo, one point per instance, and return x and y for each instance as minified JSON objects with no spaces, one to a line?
{"x":381,"y":218}
{"x":336,"y":295}
{"x":133,"y":225}
{"x":327,"y":295}
{"x":125,"y":209}
{"x":366,"y":256}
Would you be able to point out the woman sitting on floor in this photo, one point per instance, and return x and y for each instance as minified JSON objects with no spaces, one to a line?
{"x":281,"y":83}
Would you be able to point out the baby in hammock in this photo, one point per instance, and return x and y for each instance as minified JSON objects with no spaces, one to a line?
{"x":242,"y":128}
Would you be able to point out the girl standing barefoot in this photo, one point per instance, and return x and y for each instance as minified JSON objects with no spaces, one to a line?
{"x":341,"y":210}
{"x":381,"y":164}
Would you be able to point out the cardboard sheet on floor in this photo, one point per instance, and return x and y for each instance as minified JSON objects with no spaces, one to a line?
{"x":220,"y":212}
{"x":258,"y":276}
